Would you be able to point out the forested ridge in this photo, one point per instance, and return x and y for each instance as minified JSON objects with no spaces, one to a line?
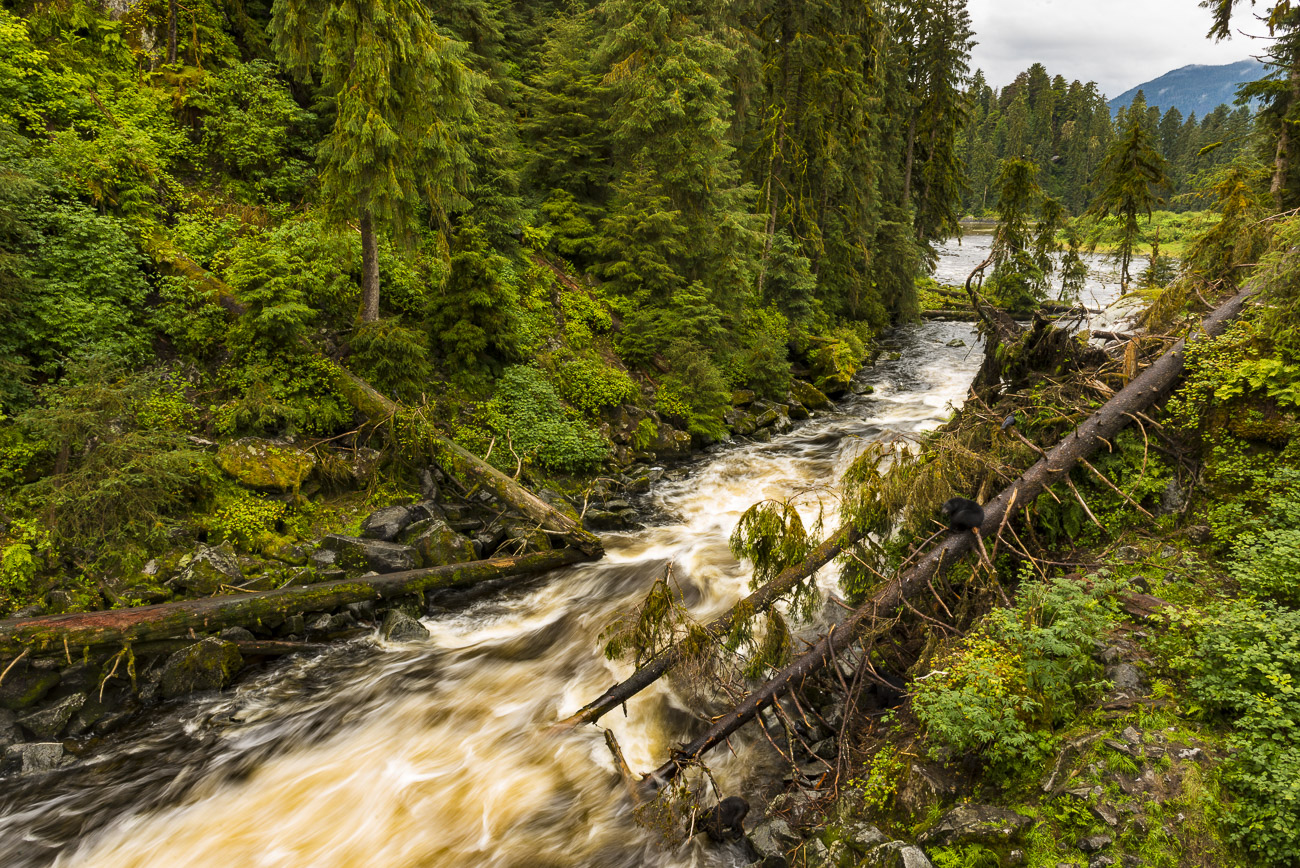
{"x":316,"y":314}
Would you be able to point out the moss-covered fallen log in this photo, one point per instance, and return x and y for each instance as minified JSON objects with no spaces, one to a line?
{"x":1097,"y":430}
{"x":68,"y":634}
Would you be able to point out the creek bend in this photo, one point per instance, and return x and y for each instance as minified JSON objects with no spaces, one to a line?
{"x":436,"y":753}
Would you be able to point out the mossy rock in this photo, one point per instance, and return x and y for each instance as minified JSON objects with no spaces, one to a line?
{"x":265,"y":465}
{"x":25,"y":686}
{"x":809,"y":395}
{"x":835,"y":383}
{"x":436,"y":544}
{"x":207,"y":665}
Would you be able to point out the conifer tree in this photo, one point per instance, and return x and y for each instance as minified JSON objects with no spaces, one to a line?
{"x":400,"y":89}
{"x":1130,"y":180}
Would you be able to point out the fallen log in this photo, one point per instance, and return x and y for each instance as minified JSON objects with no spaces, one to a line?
{"x":759,"y":601}
{"x":377,"y":407}
{"x":1098,"y":429}
{"x":954,"y":315}
{"x":69,"y":634}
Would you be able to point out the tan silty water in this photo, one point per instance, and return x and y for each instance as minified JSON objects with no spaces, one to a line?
{"x":436,"y":753}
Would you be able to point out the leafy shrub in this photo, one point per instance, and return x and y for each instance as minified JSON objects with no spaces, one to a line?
{"x":253,"y":130}
{"x":473,"y":317}
{"x":590,"y":386}
{"x":1244,"y":662}
{"x":393,"y":358}
{"x":284,"y":394}
{"x":763,"y":362}
{"x":248,"y":521}
{"x":527,"y":412}
{"x":1017,"y":677}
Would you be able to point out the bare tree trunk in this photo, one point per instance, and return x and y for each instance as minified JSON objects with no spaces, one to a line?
{"x":369,"y":269}
{"x":1100,"y":428}
{"x":171,"y":31}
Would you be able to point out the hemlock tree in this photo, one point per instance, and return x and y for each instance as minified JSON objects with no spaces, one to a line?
{"x":1130,"y":176}
{"x":401,"y":91}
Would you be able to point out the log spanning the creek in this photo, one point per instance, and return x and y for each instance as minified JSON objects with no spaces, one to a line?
{"x":759,"y":601}
{"x":70,"y":633}
{"x":1098,"y":429}
{"x":379,"y":408}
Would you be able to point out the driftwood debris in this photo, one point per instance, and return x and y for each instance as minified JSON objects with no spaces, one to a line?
{"x":1098,"y":429}
{"x":68,"y":634}
{"x":377,"y":407}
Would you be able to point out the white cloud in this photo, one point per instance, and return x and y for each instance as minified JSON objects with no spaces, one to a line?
{"x":1116,"y":43}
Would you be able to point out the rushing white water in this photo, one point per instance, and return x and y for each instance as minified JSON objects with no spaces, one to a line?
{"x":436,"y":753}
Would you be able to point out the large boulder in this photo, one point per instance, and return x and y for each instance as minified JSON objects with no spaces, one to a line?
{"x":976,"y":824}
{"x":208,"y":569}
{"x":265,"y":464}
{"x":48,"y":723}
{"x":9,"y":733}
{"x":741,"y":422}
{"x":808,"y":395}
{"x":206,"y":665}
{"x":385,"y":524}
{"x":25,"y":685}
{"x":437,"y":544}
{"x":360,"y":555}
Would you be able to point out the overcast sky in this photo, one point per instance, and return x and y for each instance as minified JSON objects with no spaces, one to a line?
{"x":1116,"y":43}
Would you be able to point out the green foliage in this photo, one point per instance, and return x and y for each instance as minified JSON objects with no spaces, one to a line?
{"x":253,"y":132}
{"x":1244,"y":661}
{"x":771,"y":534}
{"x":591,"y":385}
{"x":393,"y":358}
{"x":285,"y":394}
{"x":651,"y":628}
{"x":1017,"y":678}
{"x":473,"y":317}
{"x":884,"y":774}
{"x":248,"y":521}
{"x":112,"y":475}
{"x":694,"y":392}
{"x":527,"y":414}
{"x":1131,"y":177}
{"x":762,"y":362}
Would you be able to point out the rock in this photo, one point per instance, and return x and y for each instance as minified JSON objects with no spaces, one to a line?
{"x":1191,"y":753}
{"x":9,"y":733}
{"x":400,"y":627}
{"x":740,"y":422}
{"x":208,"y":569}
{"x":898,"y":854}
{"x":1126,"y":677}
{"x":1100,"y":861}
{"x":523,"y":537}
{"x":323,"y":559}
{"x":266,"y":464}
{"x":25,"y":686}
{"x":1106,"y":814}
{"x":355,"y":554}
{"x":31,"y":758}
{"x":48,"y":723}
{"x":1200,"y":533}
{"x":428,"y":484}
{"x":767,"y":418}
{"x":1131,"y":735}
{"x":741,"y":397}
{"x":603,"y":519}
{"x":1093,"y":843}
{"x":809,"y":395}
{"x":1173,"y":498}
{"x":671,"y":442}
{"x":858,"y":387}
{"x":798,"y":412}
{"x":862,"y":837}
{"x":385,"y":524}
{"x":437,"y":544}
{"x":92,"y":711}
{"x":773,"y":837}
{"x":236,"y":634}
{"x":206,"y":665}
{"x":955,"y":342}
{"x":924,"y":787}
{"x":967,"y":824}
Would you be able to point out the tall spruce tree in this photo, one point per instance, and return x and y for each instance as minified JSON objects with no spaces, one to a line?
{"x":400,"y":91}
{"x":1131,"y":179}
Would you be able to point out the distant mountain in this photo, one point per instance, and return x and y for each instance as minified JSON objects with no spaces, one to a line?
{"x":1195,"y":88}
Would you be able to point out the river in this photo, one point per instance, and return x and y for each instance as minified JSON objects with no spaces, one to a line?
{"x":435,"y":754}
